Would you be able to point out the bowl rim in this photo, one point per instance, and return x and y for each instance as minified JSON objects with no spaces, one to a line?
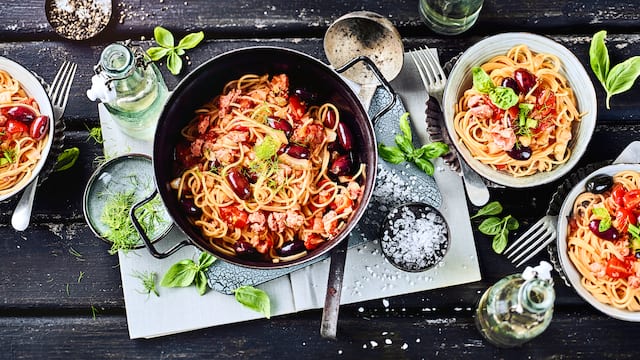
{"x":572,"y":274}
{"x":573,"y":70}
{"x":35,"y":88}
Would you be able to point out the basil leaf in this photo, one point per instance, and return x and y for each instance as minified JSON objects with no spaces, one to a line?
{"x":405,"y":126}
{"x":492,"y":208}
{"x":512,"y":223}
{"x":180,"y":274}
{"x":205,"y":260}
{"x":499,"y":242}
{"x":622,"y":77}
{"x":201,"y":282}
{"x":174,"y":63}
{"x":481,"y":80}
{"x":633,"y":230}
{"x":600,"y":212}
{"x":434,"y":150}
{"x":404,"y":144}
{"x":190,"y":41}
{"x":605,"y":224}
{"x":255,"y":299}
{"x":163,"y":37}
{"x":424,"y":165}
{"x":390,"y":154}
{"x":156,"y":53}
{"x":599,"y":57}
{"x":503,"y":97}
{"x":67,"y":158}
{"x":490,"y":226}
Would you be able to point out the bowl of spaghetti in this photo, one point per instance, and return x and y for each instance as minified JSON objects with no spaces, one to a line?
{"x":264,"y":157}
{"x":599,"y":240}
{"x":520,"y":109}
{"x":26,"y":127}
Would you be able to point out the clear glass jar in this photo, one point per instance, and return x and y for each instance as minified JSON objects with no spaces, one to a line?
{"x":515,"y":310}
{"x":132,"y":89}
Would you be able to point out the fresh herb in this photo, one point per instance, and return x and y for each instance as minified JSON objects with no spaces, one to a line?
{"x":618,"y":79}
{"x":186,"y":272}
{"x":255,"y":299}
{"x":525,"y":123}
{"x":8,"y":157}
{"x":95,"y":133}
{"x":405,"y":151}
{"x":67,"y":159}
{"x":148,"y":280}
{"x":80,"y":276}
{"x":604,"y":216}
{"x":503,"y":97}
{"x":495,"y":226}
{"x":634,"y":242}
{"x":76,"y":254}
{"x":167,"y":47}
{"x":267,"y":149}
{"x":94,"y":312}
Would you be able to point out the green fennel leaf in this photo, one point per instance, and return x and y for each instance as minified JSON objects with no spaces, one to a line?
{"x":490,"y":226}
{"x":492,"y":208}
{"x":190,"y":41}
{"x":255,"y":299}
{"x":163,"y":37}
{"x":599,"y":57}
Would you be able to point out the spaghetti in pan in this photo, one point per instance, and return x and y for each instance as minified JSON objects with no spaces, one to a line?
{"x":603,"y":240}
{"x":266,"y":174}
{"x":23,"y":134}
{"x":518,"y":116}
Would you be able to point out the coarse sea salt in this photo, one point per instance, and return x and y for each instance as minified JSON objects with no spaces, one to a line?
{"x":416,"y":237}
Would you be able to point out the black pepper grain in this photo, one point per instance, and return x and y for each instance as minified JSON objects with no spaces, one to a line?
{"x":78,"y":19}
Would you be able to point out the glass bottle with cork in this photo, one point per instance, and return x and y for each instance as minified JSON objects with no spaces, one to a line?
{"x":131,"y":88}
{"x":517,"y":308}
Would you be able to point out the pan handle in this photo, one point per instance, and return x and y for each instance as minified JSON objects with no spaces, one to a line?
{"x":385,"y":84}
{"x":143,"y":234}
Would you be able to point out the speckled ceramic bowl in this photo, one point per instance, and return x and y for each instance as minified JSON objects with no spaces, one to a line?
{"x":460,"y":79}
{"x":34,"y":88}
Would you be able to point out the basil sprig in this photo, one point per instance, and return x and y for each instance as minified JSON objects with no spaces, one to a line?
{"x":67,"y":159}
{"x":618,"y":79}
{"x":604,"y":216}
{"x":186,"y":272}
{"x":405,"y":151}
{"x":255,"y":299}
{"x":502,"y":96}
{"x":173,"y":52}
{"x":495,"y":226}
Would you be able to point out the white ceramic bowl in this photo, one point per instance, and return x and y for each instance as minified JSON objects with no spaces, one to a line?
{"x":569,"y":269}
{"x":34,"y":88}
{"x":460,"y":79}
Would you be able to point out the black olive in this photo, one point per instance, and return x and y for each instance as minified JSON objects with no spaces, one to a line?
{"x":520,"y":152}
{"x":190,"y":207}
{"x":599,"y":183}
{"x":246,"y":251}
{"x":291,"y":248}
{"x":610,"y":234}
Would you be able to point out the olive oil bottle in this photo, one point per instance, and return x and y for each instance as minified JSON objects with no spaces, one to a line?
{"x":517,"y":308}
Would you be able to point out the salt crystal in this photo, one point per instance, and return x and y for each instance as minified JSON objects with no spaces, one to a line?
{"x":388,"y":341}
{"x":404,"y":346}
{"x":373,"y":344}
{"x":385,"y":302}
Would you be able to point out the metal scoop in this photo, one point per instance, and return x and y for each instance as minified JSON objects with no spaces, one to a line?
{"x":356,"y":35}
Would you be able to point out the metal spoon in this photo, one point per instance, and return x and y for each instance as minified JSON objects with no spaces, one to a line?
{"x":360,"y":33}
{"x":22,"y":214}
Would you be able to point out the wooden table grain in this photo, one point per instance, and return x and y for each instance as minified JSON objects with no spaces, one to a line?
{"x":46,"y":313}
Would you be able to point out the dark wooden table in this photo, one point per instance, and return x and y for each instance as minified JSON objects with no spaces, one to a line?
{"x":46,"y":313}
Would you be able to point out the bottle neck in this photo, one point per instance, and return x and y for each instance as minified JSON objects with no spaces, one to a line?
{"x":536,"y":296}
{"x":117,"y":61}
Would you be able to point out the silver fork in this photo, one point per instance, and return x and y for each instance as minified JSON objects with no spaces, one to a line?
{"x":59,"y":94}
{"x":434,"y":80}
{"x":539,"y":235}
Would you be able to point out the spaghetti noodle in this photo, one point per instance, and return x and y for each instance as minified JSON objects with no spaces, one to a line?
{"x":265,"y":174}
{"x":529,"y":134}
{"x":23,"y":134}
{"x":607,"y":258}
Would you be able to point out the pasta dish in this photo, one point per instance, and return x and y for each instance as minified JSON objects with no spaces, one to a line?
{"x":265,"y":173}
{"x":518,"y":116}
{"x":603,"y":241}
{"x":23,"y":134}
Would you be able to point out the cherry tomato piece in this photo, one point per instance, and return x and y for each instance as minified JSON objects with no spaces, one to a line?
{"x":296,"y":107}
{"x":39,"y":127}
{"x":617,"y":193}
{"x":16,"y":127}
{"x":233,"y":216}
{"x":617,"y":268}
{"x":631,"y":199}
{"x":624,"y":217}
{"x":546,"y":102}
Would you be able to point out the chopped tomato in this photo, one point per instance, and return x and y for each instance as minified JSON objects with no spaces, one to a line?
{"x":617,"y":193}
{"x":631,"y":199}
{"x":234,"y":216}
{"x":296,"y":107}
{"x":312,"y":241}
{"x":513,"y":112}
{"x":623,"y":218}
{"x":16,"y":127}
{"x":617,"y":268}
{"x":546,"y":102}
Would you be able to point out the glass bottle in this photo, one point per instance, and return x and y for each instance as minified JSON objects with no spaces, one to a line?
{"x":517,"y":308}
{"x":132,"y":89}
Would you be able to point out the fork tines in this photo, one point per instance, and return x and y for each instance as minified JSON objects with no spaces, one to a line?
{"x":539,"y":235}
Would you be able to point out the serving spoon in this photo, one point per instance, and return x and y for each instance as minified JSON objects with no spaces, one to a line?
{"x":355,"y":35}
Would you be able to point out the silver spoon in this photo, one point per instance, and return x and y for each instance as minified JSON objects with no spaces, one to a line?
{"x":352,"y":35}
{"x":22,"y":213}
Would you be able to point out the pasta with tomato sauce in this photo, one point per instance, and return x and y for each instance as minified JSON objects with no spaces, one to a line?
{"x":518,"y":116}
{"x":265,"y":173}
{"x":603,"y":241}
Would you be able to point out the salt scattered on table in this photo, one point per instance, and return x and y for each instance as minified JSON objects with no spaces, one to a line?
{"x":415,"y":237}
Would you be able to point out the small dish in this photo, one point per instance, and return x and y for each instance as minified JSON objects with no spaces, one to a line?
{"x":569,"y":269}
{"x":126,"y":174}
{"x":415,"y":237}
{"x":78,"y":19}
